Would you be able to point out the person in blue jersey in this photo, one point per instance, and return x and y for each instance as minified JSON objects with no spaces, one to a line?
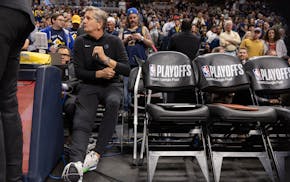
{"x":56,"y":34}
{"x":137,"y":40}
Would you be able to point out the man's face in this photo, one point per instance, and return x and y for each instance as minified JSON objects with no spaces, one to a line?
{"x":256,"y":35}
{"x":65,"y":56}
{"x":133,"y":20}
{"x":229,"y":27}
{"x":242,"y":54}
{"x":110,"y":26}
{"x":90,"y":24}
{"x":59,"y":22}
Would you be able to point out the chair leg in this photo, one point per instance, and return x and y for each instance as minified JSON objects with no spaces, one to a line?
{"x":217,"y":161}
{"x":143,"y":140}
{"x":267,"y":166}
{"x":266,"y":161}
{"x":135,"y":142}
{"x":151,"y":166}
{"x":202,"y":161}
{"x":281,"y":156}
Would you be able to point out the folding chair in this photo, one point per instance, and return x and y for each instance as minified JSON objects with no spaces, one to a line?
{"x":170,"y":126}
{"x":223,"y":74}
{"x":270,"y":75}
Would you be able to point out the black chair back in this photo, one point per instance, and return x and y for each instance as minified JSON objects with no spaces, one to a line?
{"x":168,"y":71}
{"x":220,"y":72}
{"x":269,"y":74}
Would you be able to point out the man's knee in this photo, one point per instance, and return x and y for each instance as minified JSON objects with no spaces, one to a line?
{"x":113,"y":103}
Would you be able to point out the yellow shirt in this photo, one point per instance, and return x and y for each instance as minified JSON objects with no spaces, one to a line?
{"x":254,"y":47}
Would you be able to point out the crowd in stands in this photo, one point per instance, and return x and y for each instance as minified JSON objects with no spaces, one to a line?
{"x":208,"y":21}
{"x":226,"y":26}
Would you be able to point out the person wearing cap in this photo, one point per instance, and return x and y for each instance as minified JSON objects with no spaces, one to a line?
{"x":176,"y":27}
{"x":76,"y":21}
{"x":136,"y":37}
{"x":230,"y":39}
{"x":137,"y":40}
{"x":254,"y":44}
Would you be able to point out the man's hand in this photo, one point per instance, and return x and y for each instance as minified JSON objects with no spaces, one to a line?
{"x":106,"y":73}
{"x":99,"y":51}
{"x":137,"y":36}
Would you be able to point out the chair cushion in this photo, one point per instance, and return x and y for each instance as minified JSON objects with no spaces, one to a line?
{"x":283,"y":114}
{"x":177,"y":112}
{"x":222,"y":113}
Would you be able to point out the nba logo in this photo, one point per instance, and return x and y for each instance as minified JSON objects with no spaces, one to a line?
{"x":257,"y":74}
{"x":152,"y":70}
{"x":205,"y":71}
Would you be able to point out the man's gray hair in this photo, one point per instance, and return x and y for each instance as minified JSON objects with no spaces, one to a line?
{"x":99,"y":15}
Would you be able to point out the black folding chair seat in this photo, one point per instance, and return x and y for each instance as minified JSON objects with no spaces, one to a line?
{"x":219,"y":112}
{"x":283,"y":114}
{"x":177,"y":114}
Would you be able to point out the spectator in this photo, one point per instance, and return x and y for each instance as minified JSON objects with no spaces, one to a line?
{"x":137,"y":40}
{"x":185,"y":41}
{"x":229,"y":39}
{"x":76,"y":21}
{"x":219,"y":49}
{"x":154,"y":28}
{"x":111,"y":26}
{"x":254,"y":45}
{"x":243,"y":55}
{"x":176,"y":27}
{"x":56,"y":34}
{"x":198,"y":20}
{"x":273,"y":43}
{"x":195,"y":31}
{"x":99,"y":68}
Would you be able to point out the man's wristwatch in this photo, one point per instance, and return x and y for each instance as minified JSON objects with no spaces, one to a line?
{"x":142,"y":39}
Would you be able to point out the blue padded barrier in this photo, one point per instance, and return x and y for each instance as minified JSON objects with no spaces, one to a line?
{"x":46,"y":145}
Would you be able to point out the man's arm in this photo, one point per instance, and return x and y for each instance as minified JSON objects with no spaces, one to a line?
{"x":79,"y":61}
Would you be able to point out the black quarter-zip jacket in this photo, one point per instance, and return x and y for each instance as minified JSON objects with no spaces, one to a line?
{"x":86,"y":65}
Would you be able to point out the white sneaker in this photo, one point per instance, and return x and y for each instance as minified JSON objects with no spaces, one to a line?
{"x":91,"y":162}
{"x":73,"y":172}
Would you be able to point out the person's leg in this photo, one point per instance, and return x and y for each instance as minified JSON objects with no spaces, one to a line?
{"x":13,"y":32}
{"x":85,"y":114}
{"x":112,"y":99}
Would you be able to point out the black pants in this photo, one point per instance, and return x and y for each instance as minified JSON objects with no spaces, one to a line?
{"x":14,"y":30}
{"x":88,"y":98}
